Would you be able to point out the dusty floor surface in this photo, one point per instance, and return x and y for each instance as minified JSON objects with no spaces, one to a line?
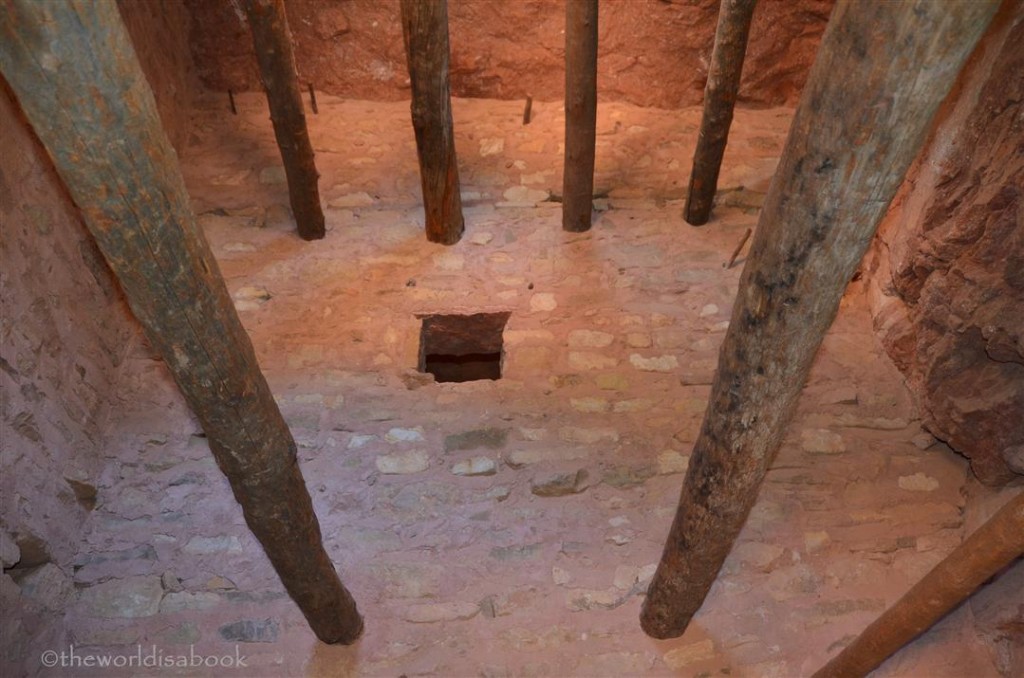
{"x":536,"y":566}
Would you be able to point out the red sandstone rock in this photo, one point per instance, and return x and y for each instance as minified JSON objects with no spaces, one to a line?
{"x":954,"y":266}
{"x":652,"y":52}
{"x":159,"y":33}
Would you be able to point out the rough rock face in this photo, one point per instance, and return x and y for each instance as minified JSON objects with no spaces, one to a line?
{"x":950,"y":297}
{"x":159,"y":32}
{"x":652,"y":52}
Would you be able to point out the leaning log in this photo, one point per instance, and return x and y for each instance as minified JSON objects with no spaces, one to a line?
{"x":982,"y":556}
{"x":273,"y":43}
{"x":851,"y":141}
{"x":580,"y":114}
{"x":720,"y":93}
{"x":425,"y":31}
{"x":75,"y":74}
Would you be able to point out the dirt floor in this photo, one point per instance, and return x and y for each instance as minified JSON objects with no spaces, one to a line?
{"x":510,"y":527}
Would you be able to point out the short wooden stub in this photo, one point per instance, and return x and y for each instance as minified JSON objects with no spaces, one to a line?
{"x":982,"y":555}
{"x":850,"y":144}
{"x":580,"y":114}
{"x":719,"y":99}
{"x":312,"y":100}
{"x":425,"y":31}
{"x":75,"y":74}
{"x":273,"y":43}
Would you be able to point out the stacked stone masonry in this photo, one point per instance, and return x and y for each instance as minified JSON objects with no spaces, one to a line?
{"x":508,"y":527}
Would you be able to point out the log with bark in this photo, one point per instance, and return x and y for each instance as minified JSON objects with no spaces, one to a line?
{"x":74,"y":71}
{"x":720,"y":94}
{"x":273,"y":43}
{"x":580,"y":114}
{"x":982,"y":556}
{"x":850,"y":144}
{"x":425,"y":31}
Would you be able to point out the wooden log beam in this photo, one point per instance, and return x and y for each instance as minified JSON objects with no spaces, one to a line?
{"x":75,"y":74}
{"x":425,"y":31}
{"x":983,"y":555}
{"x":719,"y":99}
{"x":273,"y":43}
{"x":868,"y":103}
{"x":580,"y":114}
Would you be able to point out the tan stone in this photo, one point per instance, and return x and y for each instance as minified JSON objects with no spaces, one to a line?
{"x":625,"y":576}
{"x":694,"y":653}
{"x":576,"y":434}
{"x":634,"y":405}
{"x":477,"y":466}
{"x":590,"y":404}
{"x":491,"y":147}
{"x":611,"y":382}
{"x":590,"y":339}
{"x":513,"y":337}
{"x":664,"y":363}
{"x":543,"y":301}
{"x":582,"y":360}
{"x":919,"y":482}
{"x":820,"y":441}
{"x":401,"y":463}
{"x":520,"y":458}
{"x":816,"y":542}
{"x":670,"y":462}
{"x":638,"y":340}
{"x":427,"y":613}
{"x":524,"y":359}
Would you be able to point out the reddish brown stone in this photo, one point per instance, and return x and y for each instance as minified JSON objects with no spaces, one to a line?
{"x":952,"y":310}
{"x":652,"y":53}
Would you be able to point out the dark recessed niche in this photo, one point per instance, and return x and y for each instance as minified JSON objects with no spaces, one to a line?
{"x":457,"y":348}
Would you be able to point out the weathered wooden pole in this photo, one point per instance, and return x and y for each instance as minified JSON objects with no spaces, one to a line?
{"x":74,"y":71}
{"x":865,"y":110}
{"x":273,"y":43}
{"x":719,"y":99}
{"x":991,"y":548}
{"x":580,"y":114}
{"x":425,"y":31}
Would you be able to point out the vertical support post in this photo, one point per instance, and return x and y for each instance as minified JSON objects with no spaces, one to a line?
{"x":425,"y":31}
{"x":75,"y":74}
{"x":580,"y":114}
{"x":982,"y":555}
{"x":273,"y":43}
{"x":719,"y":99}
{"x":850,"y":144}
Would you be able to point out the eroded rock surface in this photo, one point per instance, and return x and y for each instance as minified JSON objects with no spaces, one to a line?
{"x":652,"y":52}
{"x":951,"y":266}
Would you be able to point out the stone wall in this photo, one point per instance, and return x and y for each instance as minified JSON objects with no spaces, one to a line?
{"x":948,"y":289}
{"x":64,"y":333}
{"x":652,"y":52}
{"x":65,"y":325}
